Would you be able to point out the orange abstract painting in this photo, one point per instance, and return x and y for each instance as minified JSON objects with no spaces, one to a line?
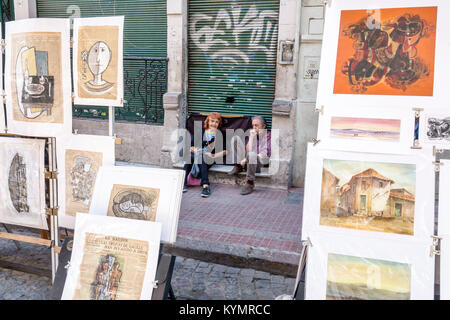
{"x":386,"y":52}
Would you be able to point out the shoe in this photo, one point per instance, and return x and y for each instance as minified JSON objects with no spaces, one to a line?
{"x":184,"y":188}
{"x":247,"y":189}
{"x":236,"y":169}
{"x":206,"y":192}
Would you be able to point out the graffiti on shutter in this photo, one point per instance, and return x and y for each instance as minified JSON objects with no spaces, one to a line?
{"x":261,"y":23}
{"x":239,"y":47}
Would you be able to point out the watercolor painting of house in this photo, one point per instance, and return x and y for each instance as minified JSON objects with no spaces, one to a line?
{"x":367,"y":199}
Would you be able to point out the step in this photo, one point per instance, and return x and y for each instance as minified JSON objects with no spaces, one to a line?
{"x":221,"y":168}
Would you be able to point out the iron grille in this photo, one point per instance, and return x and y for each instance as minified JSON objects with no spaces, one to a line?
{"x":145,"y":82}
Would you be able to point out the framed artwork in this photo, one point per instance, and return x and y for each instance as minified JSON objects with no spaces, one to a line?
{"x":80,"y":158}
{"x":38,"y":92}
{"x":98,"y":61}
{"x":22,"y":185}
{"x":2,"y":113}
{"x":112,"y":259}
{"x":343,"y":267}
{"x":434,"y":128}
{"x":382,"y":48}
{"x":140,"y":193}
{"x":444,"y":228}
{"x":370,"y":129}
{"x":375,"y":195}
{"x":444,"y":201}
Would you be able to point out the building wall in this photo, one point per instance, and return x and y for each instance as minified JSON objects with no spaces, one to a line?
{"x":376,"y":196}
{"x":380,"y":195}
{"x":157,"y":144}
{"x":283,"y":106}
{"x":311,"y":30}
{"x":407,"y":208}
{"x":329,"y":196}
{"x":140,"y":142}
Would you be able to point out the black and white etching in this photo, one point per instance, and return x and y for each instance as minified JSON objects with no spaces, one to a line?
{"x":17,"y":183}
{"x":438,"y":128}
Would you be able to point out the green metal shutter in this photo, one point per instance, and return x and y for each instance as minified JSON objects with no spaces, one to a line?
{"x":145,"y":35}
{"x":232,"y":56}
{"x":145,"y":31}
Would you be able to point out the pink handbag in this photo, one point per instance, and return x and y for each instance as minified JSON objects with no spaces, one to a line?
{"x":191,"y":181}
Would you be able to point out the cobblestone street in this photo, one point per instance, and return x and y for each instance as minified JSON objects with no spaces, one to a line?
{"x":191,"y":280}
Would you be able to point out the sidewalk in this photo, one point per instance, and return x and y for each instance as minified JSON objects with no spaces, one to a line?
{"x":261,"y":230}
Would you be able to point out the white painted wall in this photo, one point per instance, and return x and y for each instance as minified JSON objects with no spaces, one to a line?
{"x":140,"y":142}
{"x":24,"y":9}
{"x":311,"y":29}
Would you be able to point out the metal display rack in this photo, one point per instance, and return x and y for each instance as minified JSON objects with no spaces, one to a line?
{"x":51,"y":196}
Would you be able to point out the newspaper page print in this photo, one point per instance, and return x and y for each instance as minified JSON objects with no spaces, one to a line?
{"x":112,"y":268}
{"x":132,"y":202}
{"x":81,"y":174}
{"x":36,"y":80}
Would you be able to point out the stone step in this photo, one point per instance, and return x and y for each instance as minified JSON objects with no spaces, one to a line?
{"x":221,"y":168}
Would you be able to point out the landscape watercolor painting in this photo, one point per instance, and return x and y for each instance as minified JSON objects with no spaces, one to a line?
{"x":388,"y":51}
{"x":372,"y":196}
{"x":365,"y":129}
{"x":355,"y":278}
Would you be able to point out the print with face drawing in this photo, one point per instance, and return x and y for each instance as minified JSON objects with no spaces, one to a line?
{"x":97,"y":60}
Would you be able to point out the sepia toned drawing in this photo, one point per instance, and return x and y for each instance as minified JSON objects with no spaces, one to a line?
{"x":386,"y":51}
{"x":365,"y":128}
{"x":355,"y":278}
{"x":81,"y":173}
{"x":37,"y":77}
{"x":107,"y":278}
{"x":438,"y":128}
{"x":371,"y":196}
{"x":112,"y":268}
{"x":22,"y":187}
{"x":98,"y":61}
{"x":133,"y":202}
{"x":17,"y":183}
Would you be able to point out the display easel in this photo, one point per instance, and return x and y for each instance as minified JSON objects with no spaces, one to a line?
{"x":299,"y":288}
{"x":162,"y":287}
{"x":51,"y":211}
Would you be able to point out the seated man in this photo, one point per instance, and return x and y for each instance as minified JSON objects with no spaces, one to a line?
{"x":257,"y":153}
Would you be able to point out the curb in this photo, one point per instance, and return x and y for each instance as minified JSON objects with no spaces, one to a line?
{"x":276,"y":262}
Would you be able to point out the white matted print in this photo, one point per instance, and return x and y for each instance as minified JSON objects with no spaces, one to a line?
{"x":112,"y":259}
{"x":368,"y":194}
{"x":98,"y":61}
{"x":38,"y":87}
{"x":352,"y":268}
{"x":434,"y":128}
{"x":375,"y":129}
{"x":444,"y":260}
{"x":2,"y":113}
{"x":444,"y":228}
{"x":140,"y":193}
{"x":388,"y":62}
{"x":79,"y":160}
{"x":444,"y":199}
{"x":22,"y":185}
{"x":2,"y":120}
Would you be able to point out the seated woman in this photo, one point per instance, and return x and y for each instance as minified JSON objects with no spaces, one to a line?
{"x":209,"y":152}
